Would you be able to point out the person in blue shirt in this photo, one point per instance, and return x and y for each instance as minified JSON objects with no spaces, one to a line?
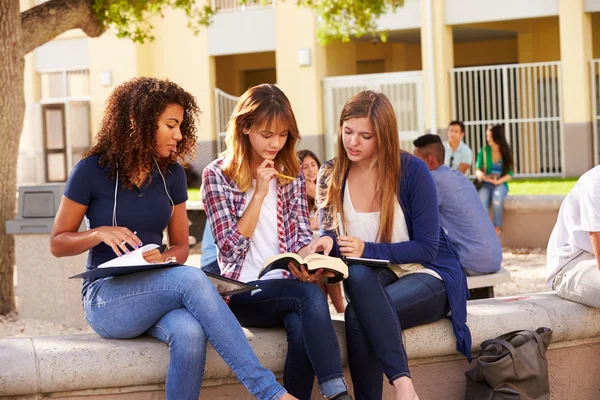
{"x":467,"y":224}
{"x":387,"y":202}
{"x":209,"y":262}
{"x":458,"y":156}
{"x":130,"y":187}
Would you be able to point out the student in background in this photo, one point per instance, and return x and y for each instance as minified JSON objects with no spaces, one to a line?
{"x":208,"y":261}
{"x":130,"y":186}
{"x":388,"y":204}
{"x":494,"y":168}
{"x":458,"y":155}
{"x":255,"y":201}
{"x":467,"y":224}
{"x":310,"y":165}
{"x":573,"y":258}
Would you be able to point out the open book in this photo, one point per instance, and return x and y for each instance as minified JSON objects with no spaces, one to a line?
{"x":133,"y":262}
{"x":312,"y":263}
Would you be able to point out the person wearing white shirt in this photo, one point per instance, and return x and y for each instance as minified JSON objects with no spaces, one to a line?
{"x":573,"y":255}
{"x":458,"y":155}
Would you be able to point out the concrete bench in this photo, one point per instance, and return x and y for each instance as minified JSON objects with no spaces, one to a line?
{"x":482,"y":286}
{"x":65,"y":367}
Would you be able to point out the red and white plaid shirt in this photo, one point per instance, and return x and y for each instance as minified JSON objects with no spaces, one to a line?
{"x":225,"y":204}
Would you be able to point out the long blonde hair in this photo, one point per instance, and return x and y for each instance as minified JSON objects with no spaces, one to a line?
{"x":386,"y":160}
{"x":262,"y":104}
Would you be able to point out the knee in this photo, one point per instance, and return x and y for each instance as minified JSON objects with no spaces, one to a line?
{"x":313,"y":299}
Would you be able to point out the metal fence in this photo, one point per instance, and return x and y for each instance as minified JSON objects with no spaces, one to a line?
{"x":224,"y":104}
{"x":235,"y":5}
{"x":404,"y":89}
{"x":526,"y":99}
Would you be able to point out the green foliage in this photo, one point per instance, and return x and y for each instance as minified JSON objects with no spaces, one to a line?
{"x":339,"y":20}
{"x":131,"y":18}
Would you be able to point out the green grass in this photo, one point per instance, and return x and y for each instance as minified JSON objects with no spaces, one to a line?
{"x":517,"y":187}
{"x":194,"y":194}
{"x":541,"y":186}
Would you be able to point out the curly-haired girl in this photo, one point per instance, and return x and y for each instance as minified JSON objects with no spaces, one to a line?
{"x":130,"y":187}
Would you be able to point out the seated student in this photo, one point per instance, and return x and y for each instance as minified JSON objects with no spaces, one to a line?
{"x":387,"y":201}
{"x":310,"y":164}
{"x":130,"y":187}
{"x":573,"y":255}
{"x":458,"y":155}
{"x":255,"y":201}
{"x":466,"y":223}
{"x":494,"y":167}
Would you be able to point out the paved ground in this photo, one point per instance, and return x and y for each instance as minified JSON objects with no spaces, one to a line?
{"x":527,"y":267}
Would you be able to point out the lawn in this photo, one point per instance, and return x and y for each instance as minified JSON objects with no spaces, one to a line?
{"x":517,"y":186}
{"x":541,"y":186}
{"x":194,"y":194}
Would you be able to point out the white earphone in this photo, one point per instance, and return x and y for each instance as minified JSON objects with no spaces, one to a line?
{"x":114,"y":216}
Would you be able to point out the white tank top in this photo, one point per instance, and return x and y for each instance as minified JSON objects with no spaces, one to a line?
{"x":365,"y":226}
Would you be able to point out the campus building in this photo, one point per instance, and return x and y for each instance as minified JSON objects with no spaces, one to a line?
{"x":531,"y":65}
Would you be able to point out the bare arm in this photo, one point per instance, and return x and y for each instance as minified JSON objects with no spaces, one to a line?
{"x":65,"y":240}
{"x":503,"y":179}
{"x":595,"y":238}
{"x":464,"y":167}
{"x":179,"y":235}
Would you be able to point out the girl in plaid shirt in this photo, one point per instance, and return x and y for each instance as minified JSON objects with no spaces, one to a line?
{"x":254,"y":213}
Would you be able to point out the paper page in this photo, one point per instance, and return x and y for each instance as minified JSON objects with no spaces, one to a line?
{"x":132,"y":258}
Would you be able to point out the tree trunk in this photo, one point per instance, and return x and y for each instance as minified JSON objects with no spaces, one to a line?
{"x":12,"y":113}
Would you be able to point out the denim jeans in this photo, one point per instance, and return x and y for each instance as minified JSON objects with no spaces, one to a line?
{"x":179,"y":306}
{"x":312,"y":344}
{"x":381,"y":306}
{"x":496,"y":195}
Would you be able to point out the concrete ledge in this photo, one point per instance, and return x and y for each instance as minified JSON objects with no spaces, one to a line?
{"x":480,"y":281}
{"x":528,"y":220}
{"x":86,"y":362}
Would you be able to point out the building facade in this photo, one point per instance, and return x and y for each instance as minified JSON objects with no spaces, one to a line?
{"x":528,"y":65}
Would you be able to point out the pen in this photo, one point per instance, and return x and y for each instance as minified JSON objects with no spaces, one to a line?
{"x":286,"y":176}
{"x":340,"y":226}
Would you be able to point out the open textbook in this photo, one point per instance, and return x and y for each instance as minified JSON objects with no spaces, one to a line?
{"x":312,"y":262}
{"x":133,"y":262}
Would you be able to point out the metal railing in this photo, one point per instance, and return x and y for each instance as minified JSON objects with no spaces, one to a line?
{"x":526,"y":99}
{"x":235,"y":5}
{"x":404,"y":89}
{"x":224,"y":104}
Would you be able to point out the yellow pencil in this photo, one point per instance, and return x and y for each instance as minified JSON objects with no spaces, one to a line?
{"x":285,"y":176}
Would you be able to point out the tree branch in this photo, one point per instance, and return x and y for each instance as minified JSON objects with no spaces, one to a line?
{"x":44,"y":22}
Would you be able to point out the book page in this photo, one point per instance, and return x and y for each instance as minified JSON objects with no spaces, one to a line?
{"x":134,"y":257}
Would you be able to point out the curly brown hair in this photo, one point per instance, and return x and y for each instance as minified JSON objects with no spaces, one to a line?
{"x":127,"y":136}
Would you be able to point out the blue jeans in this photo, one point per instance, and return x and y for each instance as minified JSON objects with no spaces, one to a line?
{"x":496,"y":195}
{"x":312,"y":344}
{"x":179,"y":306}
{"x":381,"y":306}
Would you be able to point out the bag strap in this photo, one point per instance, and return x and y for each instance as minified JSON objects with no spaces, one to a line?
{"x":540,"y":342}
{"x":507,"y":346}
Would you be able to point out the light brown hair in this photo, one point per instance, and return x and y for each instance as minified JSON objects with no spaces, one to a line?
{"x":386,"y":160}
{"x":262,"y":104}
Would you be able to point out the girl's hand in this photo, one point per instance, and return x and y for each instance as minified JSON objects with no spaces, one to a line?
{"x":351,"y":246}
{"x":264,"y":173}
{"x":153,"y":256}
{"x":302,"y":274}
{"x":118,"y":237}
{"x":324,"y":244}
